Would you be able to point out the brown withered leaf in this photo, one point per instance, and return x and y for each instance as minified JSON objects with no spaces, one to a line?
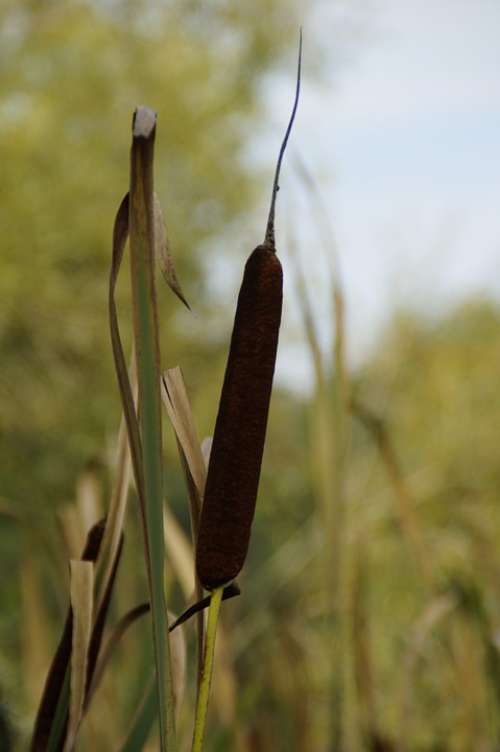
{"x":163,"y":255}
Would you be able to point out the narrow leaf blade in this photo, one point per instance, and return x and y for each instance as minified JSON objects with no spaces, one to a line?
{"x":142,"y":255}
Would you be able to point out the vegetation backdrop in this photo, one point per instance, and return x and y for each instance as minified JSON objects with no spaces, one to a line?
{"x":369,"y":611}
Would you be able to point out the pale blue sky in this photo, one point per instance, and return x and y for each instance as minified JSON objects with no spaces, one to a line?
{"x":405,"y":140}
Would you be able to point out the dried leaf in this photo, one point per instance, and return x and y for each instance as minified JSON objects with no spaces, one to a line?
{"x":82,"y":603}
{"x":88,"y":498}
{"x":72,"y":530}
{"x":180,"y":553}
{"x":176,"y":401}
{"x":163,"y":256}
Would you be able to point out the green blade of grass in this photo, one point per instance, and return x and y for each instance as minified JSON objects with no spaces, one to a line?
{"x":142,"y":256}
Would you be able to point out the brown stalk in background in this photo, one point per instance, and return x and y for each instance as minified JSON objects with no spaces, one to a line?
{"x":331,"y":435}
{"x":406,"y":505}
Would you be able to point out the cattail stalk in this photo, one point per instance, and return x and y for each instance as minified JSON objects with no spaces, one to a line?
{"x":238,"y":443}
{"x":206,"y":678}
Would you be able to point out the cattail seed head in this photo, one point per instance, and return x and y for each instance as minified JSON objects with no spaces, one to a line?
{"x":240,"y":430}
{"x":238,"y":443}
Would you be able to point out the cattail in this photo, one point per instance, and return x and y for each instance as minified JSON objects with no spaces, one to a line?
{"x":238,"y":442}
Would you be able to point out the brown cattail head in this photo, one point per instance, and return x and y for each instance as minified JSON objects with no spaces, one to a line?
{"x":238,"y":444}
{"x":240,"y":430}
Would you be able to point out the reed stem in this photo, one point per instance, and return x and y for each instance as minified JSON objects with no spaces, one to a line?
{"x":206,"y":679}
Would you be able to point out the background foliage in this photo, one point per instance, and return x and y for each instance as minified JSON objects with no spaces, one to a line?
{"x":413,"y":671}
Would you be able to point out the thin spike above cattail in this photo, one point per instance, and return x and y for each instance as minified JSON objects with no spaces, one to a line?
{"x":269,"y":239}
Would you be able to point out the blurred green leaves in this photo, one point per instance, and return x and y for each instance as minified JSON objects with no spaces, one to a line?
{"x":71,"y":74}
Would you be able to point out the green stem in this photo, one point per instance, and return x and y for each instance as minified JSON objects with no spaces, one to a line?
{"x":208,"y":662}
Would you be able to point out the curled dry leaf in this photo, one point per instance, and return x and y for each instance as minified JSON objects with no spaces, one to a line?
{"x":163,"y":256}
